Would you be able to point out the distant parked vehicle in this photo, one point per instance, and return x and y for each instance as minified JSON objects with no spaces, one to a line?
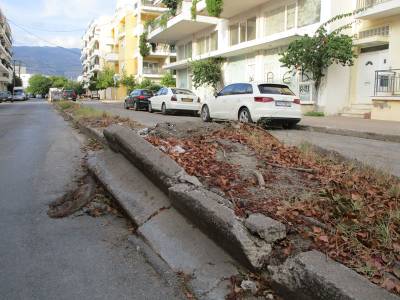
{"x":6,"y":96}
{"x":19,"y":94}
{"x":138,"y":99}
{"x":174,"y":99}
{"x":95,"y":95}
{"x":69,"y":95}
{"x":254,"y":102}
{"x":39,"y":96}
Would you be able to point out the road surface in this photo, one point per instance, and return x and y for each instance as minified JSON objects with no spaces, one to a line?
{"x":72,"y":258}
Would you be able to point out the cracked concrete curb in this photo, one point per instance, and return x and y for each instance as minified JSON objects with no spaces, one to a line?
{"x":312,"y":275}
{"x":353,"y":133}
{"x":92,"y":133}
{"x":204,"y":208}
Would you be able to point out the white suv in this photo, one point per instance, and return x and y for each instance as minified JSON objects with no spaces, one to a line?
{"x":173,"y":99}
{"x":254,"y":102}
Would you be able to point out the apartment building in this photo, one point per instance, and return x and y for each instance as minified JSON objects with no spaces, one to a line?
{"x":114,"y":42}
{"x":96,"y":43}
{"x":375,"y":77}
{"x":6,"y":71}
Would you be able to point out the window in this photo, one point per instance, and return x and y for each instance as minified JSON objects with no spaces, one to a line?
{"x":184,"y":51}
{"x":182,"y":92}
{"x":214,"y":41}
{"x":275,"y":89}
{"x":227,"y":90}
{"x":234,"y":33}
{"x":242,"y":88}
{"x":251,"y":28}
{"x":243,"y":32}
{"x":208,"y":43}
{"x":309,"y":12}
{"x":275,"y":21}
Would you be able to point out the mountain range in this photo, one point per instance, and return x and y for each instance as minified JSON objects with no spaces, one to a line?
{"x":50,"y":60}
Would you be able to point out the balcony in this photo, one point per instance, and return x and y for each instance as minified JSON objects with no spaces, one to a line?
{"x":155,"y":72}
{"x":161,"y":51}
{"x":234,"y":8}
{"x":373,"y":37}
{"x":374,"y":9}
{"x":180,"y":26}
{"x":149,"y":7}
{"x":111,"y":57}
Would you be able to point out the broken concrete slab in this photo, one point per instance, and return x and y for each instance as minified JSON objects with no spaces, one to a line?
{"x":204,"y":209}
{"x":266,"y":228}
{"x":312,"y":275}
{"x":136,"y":194}
{"x":185,"y":248}
{"x":156,"y":165}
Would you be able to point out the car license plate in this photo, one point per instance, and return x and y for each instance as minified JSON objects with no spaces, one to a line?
{"x":187,"y":100}
{"x":283,"y":104}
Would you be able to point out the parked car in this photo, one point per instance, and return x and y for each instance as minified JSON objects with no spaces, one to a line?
{"x":174,"y":99}
{"x":39,"y":96}
{"x":69,"y":95}
{"x":19,"y":95}
{"x":6,"y":96}
{"x":95,"y":95}
{"x":254,"y":102}
{"x":138,"y":99}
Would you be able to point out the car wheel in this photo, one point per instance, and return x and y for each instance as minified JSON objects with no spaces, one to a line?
{"x":126,"y":106}
{"x":245,"y":116}
{"x":289,"y":124}
{"x":150,"y":108}
{"x":163,"y":109}
{"x":205,"y":114}
{"x":135,"y":106}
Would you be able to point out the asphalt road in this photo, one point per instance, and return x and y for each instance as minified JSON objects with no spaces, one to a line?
{"x":71,"y":258}
{"x":378,"y":154}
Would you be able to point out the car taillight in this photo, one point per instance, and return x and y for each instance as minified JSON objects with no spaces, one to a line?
{"x":296,"y":101}
{"x":141,"y":97}
{"x":173,"y":98}
{"x":198,"y":100}
{"x":264,"y":99}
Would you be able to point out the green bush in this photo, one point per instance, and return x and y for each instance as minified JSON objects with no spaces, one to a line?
{"x":314,"y":114}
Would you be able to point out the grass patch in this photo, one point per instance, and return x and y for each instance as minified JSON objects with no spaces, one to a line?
{"x":314,"y":114}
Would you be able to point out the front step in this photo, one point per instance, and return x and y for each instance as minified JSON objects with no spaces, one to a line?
{"x":362,"y":111}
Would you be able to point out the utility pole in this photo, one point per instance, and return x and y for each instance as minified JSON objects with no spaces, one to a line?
{"x":19,"y":72}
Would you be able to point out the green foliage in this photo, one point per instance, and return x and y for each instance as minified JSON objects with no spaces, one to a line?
{"x":105,"y":79}
{"x":129,"y":82}
{"x":168,"y":80}
{"x":314,"y":114}
{"x":215,"y":7}
{"x":164,"y":19}
{"x":76,"y":86}
{"x":15,"y":82}
{"x":193,"y":9}
{"x":149,"y":85}
{"x":172,"y":5}
{"x":39,"y":84}
{"x":143,"y":45}
{"x":207,"y":72}
{"x":314,"y":54}
{"x":58,"y":81}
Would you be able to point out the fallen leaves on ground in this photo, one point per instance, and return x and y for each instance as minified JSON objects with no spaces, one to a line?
{"x":357,"y":207}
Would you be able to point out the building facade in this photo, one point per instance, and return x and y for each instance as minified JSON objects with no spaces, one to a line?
{"x":251,"y":34}
{"x":6,"y":70}
{"x":119,"y":46}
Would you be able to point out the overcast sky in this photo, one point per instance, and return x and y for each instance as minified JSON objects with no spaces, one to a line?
{"x":44,"y":17}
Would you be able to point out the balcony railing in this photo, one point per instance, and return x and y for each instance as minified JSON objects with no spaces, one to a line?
{"x":153,"y":71}
{"x":361,"y":4}
{"x":387,"y":83}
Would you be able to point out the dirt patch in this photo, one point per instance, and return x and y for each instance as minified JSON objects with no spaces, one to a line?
{"x":349,"y":212}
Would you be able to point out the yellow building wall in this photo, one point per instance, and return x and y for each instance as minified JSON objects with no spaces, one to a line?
{"x":387,"y":110}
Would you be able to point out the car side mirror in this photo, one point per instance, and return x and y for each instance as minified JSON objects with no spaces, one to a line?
{"x":216,"y":94}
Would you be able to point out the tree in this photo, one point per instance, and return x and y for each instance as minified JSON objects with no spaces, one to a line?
{"x":15,"y":82}
{"x":39,"y":84}
{"x":168,"y":80}
{"x":214,"y":7}
{"x":129,"y":82}
{"x":76,"y":86}
{"x":105,"y":79}
{"x":148,"y":85}
{"x":58,"y":81}
{"x":207,"y":72}
{"x":172,"y":5}
{"x":313,"y":55}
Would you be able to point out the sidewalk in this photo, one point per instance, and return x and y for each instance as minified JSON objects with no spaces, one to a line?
{"x":369,"y":129}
